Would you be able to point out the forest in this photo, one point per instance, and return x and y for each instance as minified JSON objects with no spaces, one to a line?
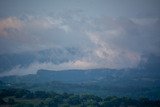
{"x":13,"y":97}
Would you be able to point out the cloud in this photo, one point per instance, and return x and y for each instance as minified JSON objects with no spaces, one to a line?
{"x":122,"y":43}
{"x":34,"y":67}
{"x":31,"y":23}
{"x":109,"y":55}
{"x":145,"y":21}
{"x":105,"y":42}
{"x":46,"y":22}
{"x":81,"y":64}
{"x":10,"y":23}
{"x":31,"y":33}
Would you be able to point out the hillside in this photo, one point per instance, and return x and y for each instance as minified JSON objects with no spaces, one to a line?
{"x":103,"y":82}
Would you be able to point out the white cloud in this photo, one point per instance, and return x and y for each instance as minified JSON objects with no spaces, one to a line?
{"x":34,"y":67}
{"x":145,"y":21}
{"x":105,"y":42}
{"x":66,"y":28}
{"x":81,"y":64}
{"x":31,"y":33}
{"x":112,"y":56}
{"x":10,"y":23}
{"x":32,"y":23}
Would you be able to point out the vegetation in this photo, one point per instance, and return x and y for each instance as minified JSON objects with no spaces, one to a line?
{"x":23,"y":98}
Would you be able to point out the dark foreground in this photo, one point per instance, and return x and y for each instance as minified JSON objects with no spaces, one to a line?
{"x":24,"y":98}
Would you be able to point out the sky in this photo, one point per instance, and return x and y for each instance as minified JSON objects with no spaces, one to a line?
{"x":109,"y":33}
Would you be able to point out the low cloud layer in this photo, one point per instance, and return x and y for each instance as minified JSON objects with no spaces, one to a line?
{"x":104,"y":40}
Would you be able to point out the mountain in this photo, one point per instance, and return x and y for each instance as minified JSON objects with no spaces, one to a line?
{"x":136,"y":82}
{"x":103,"y":82}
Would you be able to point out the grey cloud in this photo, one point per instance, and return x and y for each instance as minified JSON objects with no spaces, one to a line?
{"x":109,"y":33}
{"x":105,"y":42}
{"x":128,"y":34}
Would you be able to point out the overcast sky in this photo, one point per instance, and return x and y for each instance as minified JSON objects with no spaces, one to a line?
{"x":113,"y":33}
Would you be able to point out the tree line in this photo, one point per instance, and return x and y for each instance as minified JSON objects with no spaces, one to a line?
{"x":16,"y":98}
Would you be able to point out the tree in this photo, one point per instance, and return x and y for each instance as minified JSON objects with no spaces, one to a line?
{"x":40,"y":94}
{"x":74,"y":100}
{"x":11,"y":101}
{"x":65,"y":105}
{"x":2,"y":101}
{"x":41,"y":104}
{"x":52,"y":103}
{"x":58,"y":99}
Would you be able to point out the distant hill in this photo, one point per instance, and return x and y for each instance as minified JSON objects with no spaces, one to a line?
{"x":129,"y":82}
